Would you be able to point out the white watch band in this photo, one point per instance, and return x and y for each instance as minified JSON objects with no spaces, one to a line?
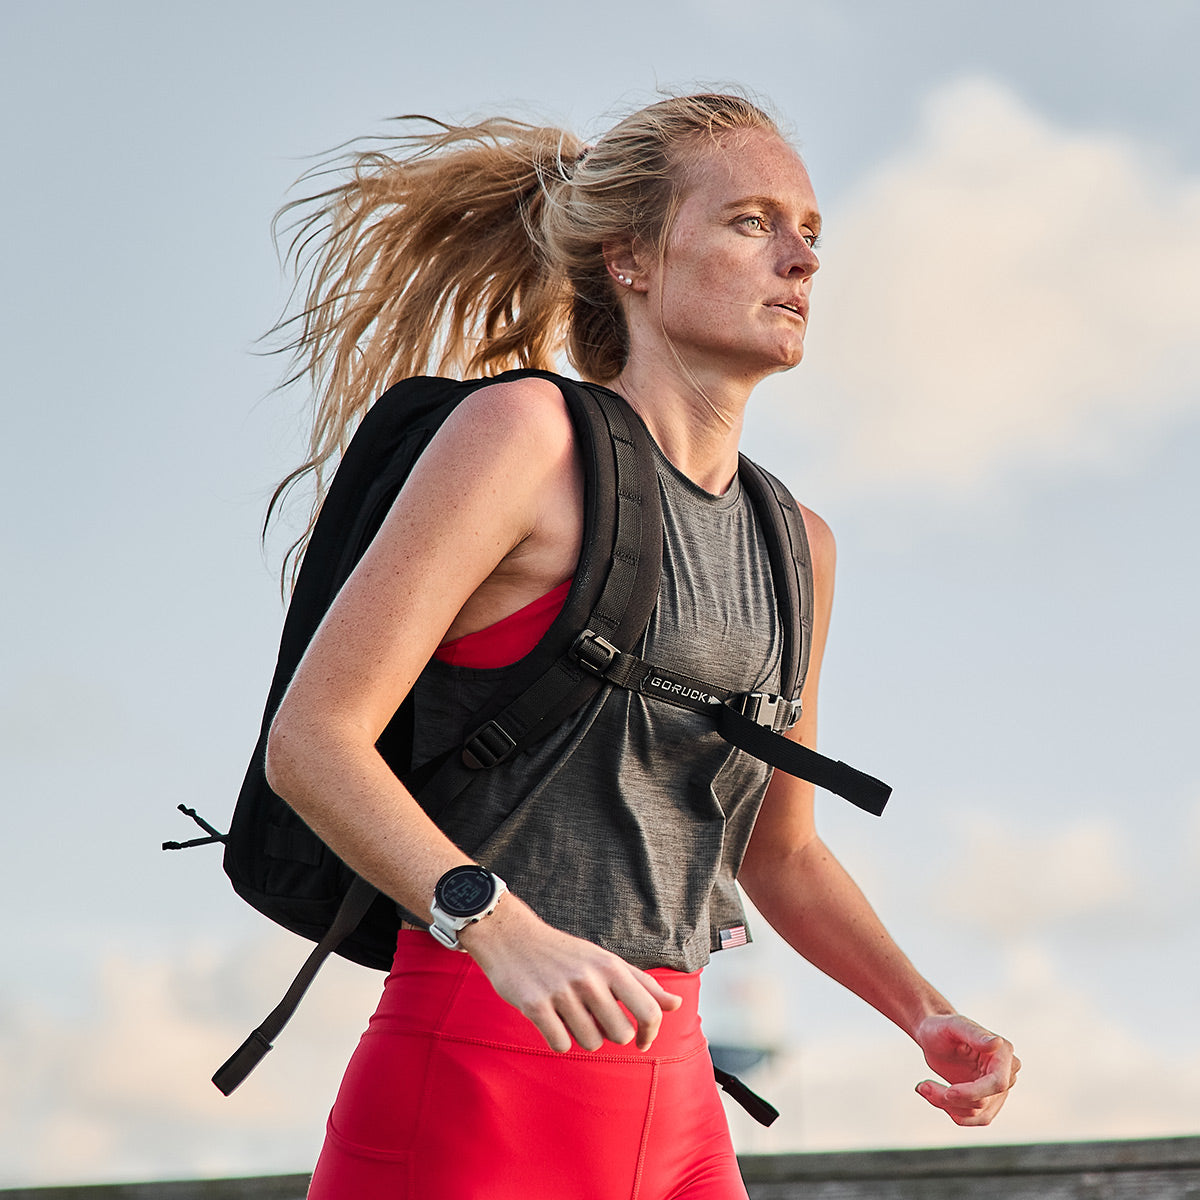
{"x":446,"y":926}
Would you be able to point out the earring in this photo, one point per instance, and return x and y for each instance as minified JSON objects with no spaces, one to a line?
{"x":625,"y":279}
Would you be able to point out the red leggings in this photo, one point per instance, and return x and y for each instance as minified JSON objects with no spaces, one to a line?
{"x":453,"y":1094}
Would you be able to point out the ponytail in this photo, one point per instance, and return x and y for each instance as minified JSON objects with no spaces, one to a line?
{"x":425,"y":260}
{"x":470,"y":249}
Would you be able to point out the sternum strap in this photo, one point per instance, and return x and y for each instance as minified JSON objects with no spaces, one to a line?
{"x":751,"y":721}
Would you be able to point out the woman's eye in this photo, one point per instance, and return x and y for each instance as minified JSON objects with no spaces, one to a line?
{"x":757,"y":224}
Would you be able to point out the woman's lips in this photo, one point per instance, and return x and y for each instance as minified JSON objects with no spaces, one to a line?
{"x":796,"y":307}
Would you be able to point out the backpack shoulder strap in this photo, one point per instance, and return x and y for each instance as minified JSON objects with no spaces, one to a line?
{"x":791,"y":569}
{"x":615,"y":587}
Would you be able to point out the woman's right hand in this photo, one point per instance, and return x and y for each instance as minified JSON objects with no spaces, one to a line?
{"x":571,"y":989}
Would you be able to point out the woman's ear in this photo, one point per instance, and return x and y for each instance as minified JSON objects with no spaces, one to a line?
{"x":623,"y":267}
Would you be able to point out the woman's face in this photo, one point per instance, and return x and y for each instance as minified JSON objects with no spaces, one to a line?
{"x":732,"y":291}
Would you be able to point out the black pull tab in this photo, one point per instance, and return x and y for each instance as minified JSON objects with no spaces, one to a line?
{"x":862,"y":790}
{"x":752,"y":1102}
{"x":358,"y":899}
{"x":241,"y":1062}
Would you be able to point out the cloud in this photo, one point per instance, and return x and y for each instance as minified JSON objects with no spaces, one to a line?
{"x":1086,"y":1074}
{"x":1059,"y":937}
{"x":1004,"y":294}
{"x":1012,"y":883}
{"x":1192,"y":838}
{"x":123,"y":1092}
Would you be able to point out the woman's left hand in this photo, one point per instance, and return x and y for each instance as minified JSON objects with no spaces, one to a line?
{"x":978,"y":1065}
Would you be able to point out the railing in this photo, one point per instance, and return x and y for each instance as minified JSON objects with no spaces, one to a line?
{"x":1158,"y":1169}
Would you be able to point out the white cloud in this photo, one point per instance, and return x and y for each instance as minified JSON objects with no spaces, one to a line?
{"x":1085,"y":1075}
{"x":1004,"y":294}
{"x":1192,"y":838}
{"x":1054,"y":936}
{"x":124,"y":1092}
{"x":1012,"y":882}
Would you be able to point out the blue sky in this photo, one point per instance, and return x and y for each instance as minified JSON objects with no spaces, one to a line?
{"x":998,"y":415}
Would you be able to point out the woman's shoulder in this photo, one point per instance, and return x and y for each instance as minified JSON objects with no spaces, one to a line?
{"x":531,"y":401}
{"x":820,"y":537}
{"x":822,"y":551}
{"x":527,"y":415}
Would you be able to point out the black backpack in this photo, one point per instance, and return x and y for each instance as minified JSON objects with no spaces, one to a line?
{"x":278,"y":865}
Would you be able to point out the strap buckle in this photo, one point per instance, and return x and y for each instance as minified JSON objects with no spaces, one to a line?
{"x":776,"y":713}
{"x":594,"y":653}
{"x":487,"y":746}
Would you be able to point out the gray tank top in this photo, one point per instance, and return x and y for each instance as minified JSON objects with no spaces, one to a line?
{"x":627,"y":825}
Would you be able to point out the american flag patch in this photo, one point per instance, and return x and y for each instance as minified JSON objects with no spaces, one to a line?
{"x":734,"y":935}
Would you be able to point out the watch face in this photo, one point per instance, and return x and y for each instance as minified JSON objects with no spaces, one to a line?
{"x":465,"y":891}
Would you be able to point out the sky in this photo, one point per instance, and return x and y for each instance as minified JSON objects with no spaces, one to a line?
{"x":998,"y":414}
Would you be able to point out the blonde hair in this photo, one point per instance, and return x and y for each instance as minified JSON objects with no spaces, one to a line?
{"x":471,"y":249}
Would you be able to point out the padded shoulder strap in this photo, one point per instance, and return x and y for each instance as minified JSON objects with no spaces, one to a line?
{"x":791,"y":569}
{"x":616,"y":583}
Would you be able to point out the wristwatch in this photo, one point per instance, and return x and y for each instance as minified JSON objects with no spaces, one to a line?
{"x":463,"y":896}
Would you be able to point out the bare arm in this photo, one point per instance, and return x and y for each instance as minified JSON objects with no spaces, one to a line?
{"x":490,"y":518}
{"x":806,"y":895}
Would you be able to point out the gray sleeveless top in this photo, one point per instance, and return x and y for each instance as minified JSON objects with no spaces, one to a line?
{"x":627,"y":825}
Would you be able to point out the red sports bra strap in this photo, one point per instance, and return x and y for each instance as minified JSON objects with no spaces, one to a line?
{"x":510,"y":638}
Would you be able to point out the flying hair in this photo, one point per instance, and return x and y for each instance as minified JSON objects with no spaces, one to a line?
{"x":467,"y":250}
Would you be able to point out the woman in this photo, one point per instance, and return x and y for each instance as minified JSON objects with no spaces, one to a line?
{"x":561,"y":1054}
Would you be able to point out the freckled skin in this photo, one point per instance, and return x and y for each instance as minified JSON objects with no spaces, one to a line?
{"x":708,"y":322}
{"x":742,"y":244}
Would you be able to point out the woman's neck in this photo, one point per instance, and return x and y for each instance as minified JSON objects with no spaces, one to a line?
{"x":696,"y":421}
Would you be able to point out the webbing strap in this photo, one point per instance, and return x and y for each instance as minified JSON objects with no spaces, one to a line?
{"x":684,"y":691}
{"x":752,"y":1102}
{"x":750,"y":721}
{"x":862,"y":790}
{"x":434,"y":785}
{"x":250,"y":1053}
